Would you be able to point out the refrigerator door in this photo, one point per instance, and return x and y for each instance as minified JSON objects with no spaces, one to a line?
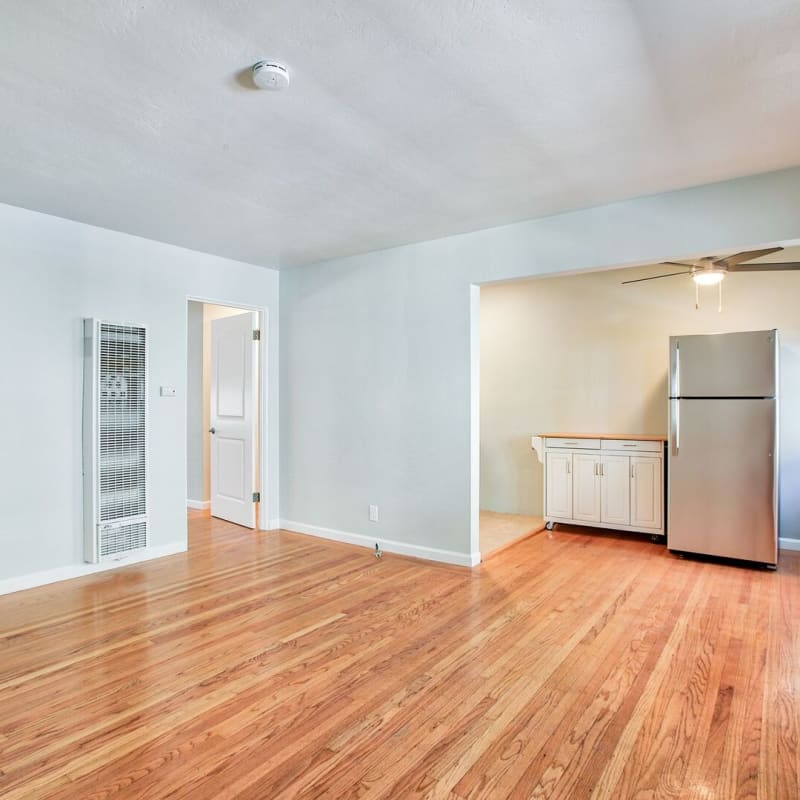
{"x":722,"y":493}
{"x":723,"y":365}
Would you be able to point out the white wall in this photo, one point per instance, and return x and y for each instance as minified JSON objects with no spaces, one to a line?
{"x":585,"y":353}
{"x":195,"y":429}
{"x":55,"y":273}
{"x":375,"y":356}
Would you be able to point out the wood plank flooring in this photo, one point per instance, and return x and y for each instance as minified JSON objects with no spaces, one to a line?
{"x":274,"y":665}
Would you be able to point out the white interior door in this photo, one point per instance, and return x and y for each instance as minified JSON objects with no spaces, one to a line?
{"x":233,"y":422}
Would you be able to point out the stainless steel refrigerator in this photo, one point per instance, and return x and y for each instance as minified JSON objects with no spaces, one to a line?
{"x":723,"y":445}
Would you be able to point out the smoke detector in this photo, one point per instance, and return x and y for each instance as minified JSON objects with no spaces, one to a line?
{"x":270,"y":75}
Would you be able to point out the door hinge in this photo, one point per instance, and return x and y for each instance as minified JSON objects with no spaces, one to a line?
{"x":256,"y":497}
{"x":256,"y":335}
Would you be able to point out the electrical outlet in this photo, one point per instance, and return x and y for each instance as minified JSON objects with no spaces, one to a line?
{"x":373,"y":514}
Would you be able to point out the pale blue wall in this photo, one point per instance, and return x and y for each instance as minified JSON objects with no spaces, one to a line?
{"x":375,"y":357}
{"x":56,"y":272}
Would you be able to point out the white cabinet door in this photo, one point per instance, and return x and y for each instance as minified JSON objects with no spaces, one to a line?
{"x":646,"y":492}
{"x":559,"y":485}
{"x":615,"y":503}
{"x":586,"y":487}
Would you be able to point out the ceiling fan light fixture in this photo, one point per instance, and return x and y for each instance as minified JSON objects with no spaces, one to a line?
{"x":708,"y":277}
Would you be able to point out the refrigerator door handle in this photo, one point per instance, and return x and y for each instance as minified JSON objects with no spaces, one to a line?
{"x":675,"y":368}
{"x":675,"y":426}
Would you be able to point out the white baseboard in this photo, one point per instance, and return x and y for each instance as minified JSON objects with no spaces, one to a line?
{"x":8,"y":585}
{"x":198,"y":505}
{"x":387,"y":545}
{"x":274,"y":524}
{"x":789,"y":544}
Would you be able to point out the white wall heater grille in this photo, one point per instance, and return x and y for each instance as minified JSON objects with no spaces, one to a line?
{"x":115,"y":439}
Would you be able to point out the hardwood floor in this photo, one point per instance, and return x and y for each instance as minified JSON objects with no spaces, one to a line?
{"x":280,"y":666}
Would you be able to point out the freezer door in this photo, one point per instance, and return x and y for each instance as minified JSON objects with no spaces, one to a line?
{"x":721,"y":488}
{"x":723,"y":365}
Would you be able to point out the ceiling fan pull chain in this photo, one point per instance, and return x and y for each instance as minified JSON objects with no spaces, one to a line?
{"x":697,"y":297}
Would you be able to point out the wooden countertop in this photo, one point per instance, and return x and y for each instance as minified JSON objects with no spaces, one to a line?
{"x":642,"y":437}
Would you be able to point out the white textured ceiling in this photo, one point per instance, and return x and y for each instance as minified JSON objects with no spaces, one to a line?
{"x":405,"y":120}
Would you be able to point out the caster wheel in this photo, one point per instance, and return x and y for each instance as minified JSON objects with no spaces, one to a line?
{"x":549,"y":526}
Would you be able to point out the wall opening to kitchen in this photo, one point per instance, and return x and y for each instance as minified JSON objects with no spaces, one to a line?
{"x":584,"y":353}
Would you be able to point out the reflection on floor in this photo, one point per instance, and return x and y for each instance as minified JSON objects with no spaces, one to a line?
{"x":195,"y":513}
{"x":498,"y":531}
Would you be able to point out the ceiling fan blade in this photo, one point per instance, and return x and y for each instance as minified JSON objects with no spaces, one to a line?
{"x":655,"y":277}
{"x":746,"y":255}
{"x":765,"y":266}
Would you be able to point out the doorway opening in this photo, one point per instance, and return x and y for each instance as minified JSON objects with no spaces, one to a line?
{"x":225,"y":412}
{"x":493,"y":527}
{"x":585,"y":356}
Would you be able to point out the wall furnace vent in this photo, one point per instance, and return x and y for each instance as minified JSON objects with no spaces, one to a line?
{"x":114,"y":440}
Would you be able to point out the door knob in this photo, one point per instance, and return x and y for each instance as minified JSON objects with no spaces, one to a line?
{"x":212,"y":430}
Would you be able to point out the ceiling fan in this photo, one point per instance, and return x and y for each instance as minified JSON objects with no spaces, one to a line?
{"x":711,"y":270}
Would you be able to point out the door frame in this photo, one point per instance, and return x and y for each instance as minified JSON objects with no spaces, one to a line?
{"x":474,"y":541}
{"x":268,"y":504}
